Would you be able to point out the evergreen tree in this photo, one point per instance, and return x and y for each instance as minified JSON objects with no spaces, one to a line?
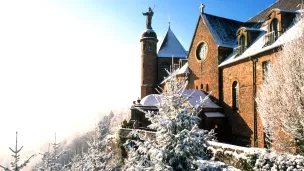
{"x":100,"y":155}
{"x":178,"y":141}
{"x":50,"y":159}
{"x":14,"y":164}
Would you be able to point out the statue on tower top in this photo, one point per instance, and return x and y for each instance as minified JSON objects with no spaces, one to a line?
{"x":149,"y":15}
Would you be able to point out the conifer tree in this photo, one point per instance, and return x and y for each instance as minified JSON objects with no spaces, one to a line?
{"x":100,"y":155}
{"x":15,"y":166}
{"x":178,"y":141}
{"x":50,"y":159}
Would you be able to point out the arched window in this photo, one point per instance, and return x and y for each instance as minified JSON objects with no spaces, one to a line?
{"x":235,"y":95}
{"x":202,"y":86}
{"x":274,"y":27}
{"x":242,"y":44}
{"x":207,"y":87}
{"x":163,"y":67}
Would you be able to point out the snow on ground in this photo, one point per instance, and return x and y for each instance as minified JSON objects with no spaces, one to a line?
{"x":214,"y":165}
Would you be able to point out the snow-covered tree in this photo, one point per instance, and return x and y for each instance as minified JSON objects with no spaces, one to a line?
{"x":100,"y":155}
{"x":178,"y":142}
{"x":281,"y":97}
{"x":76,"y":164}
{"x":50,"y":159}
{"x":15,"y":166}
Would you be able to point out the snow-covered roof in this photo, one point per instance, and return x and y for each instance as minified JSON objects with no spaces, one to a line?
{"x":151,"y":100}
{"x":283,"y":5}
{"x":171,"y":46}
{"x":155,"y":99}
{"x":195,"y":98}
{"x":183,"y":70}
{"x":224,"y":30}
{"x":214,"y":114}
{"x":250,"y":29}
{"x":259,"y":45}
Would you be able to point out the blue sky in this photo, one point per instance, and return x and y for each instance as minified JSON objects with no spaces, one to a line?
{"x":129,"y":23}
{"x":63,"y":62}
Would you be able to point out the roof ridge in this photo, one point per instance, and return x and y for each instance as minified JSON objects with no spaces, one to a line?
{"x":224,"y":18}
{"x":262,"y":11}
{"x":163,"y":40}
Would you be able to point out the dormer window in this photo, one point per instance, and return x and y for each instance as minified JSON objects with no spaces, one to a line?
{"x":242,"y":35}
{"x":274,"y":28}
{"x":246,"y":35}
{"x":277,"y":22}
{"x":273,"y":33}
{"x":242,"y":44}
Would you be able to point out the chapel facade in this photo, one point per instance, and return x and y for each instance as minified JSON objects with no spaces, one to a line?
{"x":229,"y":58}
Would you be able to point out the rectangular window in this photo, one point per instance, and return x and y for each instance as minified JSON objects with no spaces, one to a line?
{"x":266,"y":66}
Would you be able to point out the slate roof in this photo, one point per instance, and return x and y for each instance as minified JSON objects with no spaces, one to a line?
{"x":171,"y":46}
{"x":156,"y":99}
{"x":258,"y":46}
{"x":281,"y":4}
{"x":224,"y":29}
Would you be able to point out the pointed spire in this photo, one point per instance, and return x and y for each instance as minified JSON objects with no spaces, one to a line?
{"x":169,"y":20}
{"x":171,"y":45}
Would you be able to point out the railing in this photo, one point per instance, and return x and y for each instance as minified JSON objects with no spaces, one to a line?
{"x":239,"y":50}
{"x":270,"y":38}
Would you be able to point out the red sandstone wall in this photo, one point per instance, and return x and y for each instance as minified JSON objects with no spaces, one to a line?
{"x":206,"y":71}
{"x":242,"y":120}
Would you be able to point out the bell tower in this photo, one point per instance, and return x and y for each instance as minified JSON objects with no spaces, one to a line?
{"x":148,"y":57}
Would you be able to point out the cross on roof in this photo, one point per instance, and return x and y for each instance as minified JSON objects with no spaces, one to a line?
{"x":202,"y":6}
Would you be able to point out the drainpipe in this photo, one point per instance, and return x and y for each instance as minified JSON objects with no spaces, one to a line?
{"x":255,"y":117}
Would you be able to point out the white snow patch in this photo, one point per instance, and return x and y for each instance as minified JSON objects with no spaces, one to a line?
{"x":209,"y":165}
{"x":155,"y":99}
{"x":214,"y":114}
{"x":183,"y":70}
{"x":151,"y":100}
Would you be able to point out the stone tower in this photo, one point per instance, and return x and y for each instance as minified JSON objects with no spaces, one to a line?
{"x":148,"y":57}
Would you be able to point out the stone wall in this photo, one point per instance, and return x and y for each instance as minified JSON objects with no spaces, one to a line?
{"x":204,"y":71}
{"x":242,"y":119}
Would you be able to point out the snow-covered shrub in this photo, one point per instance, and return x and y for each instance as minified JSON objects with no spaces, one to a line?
{"x":178,"y":142}
{"x":269,"y":160}
{"x":280,"y":99}
{"x":254,"y":158}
